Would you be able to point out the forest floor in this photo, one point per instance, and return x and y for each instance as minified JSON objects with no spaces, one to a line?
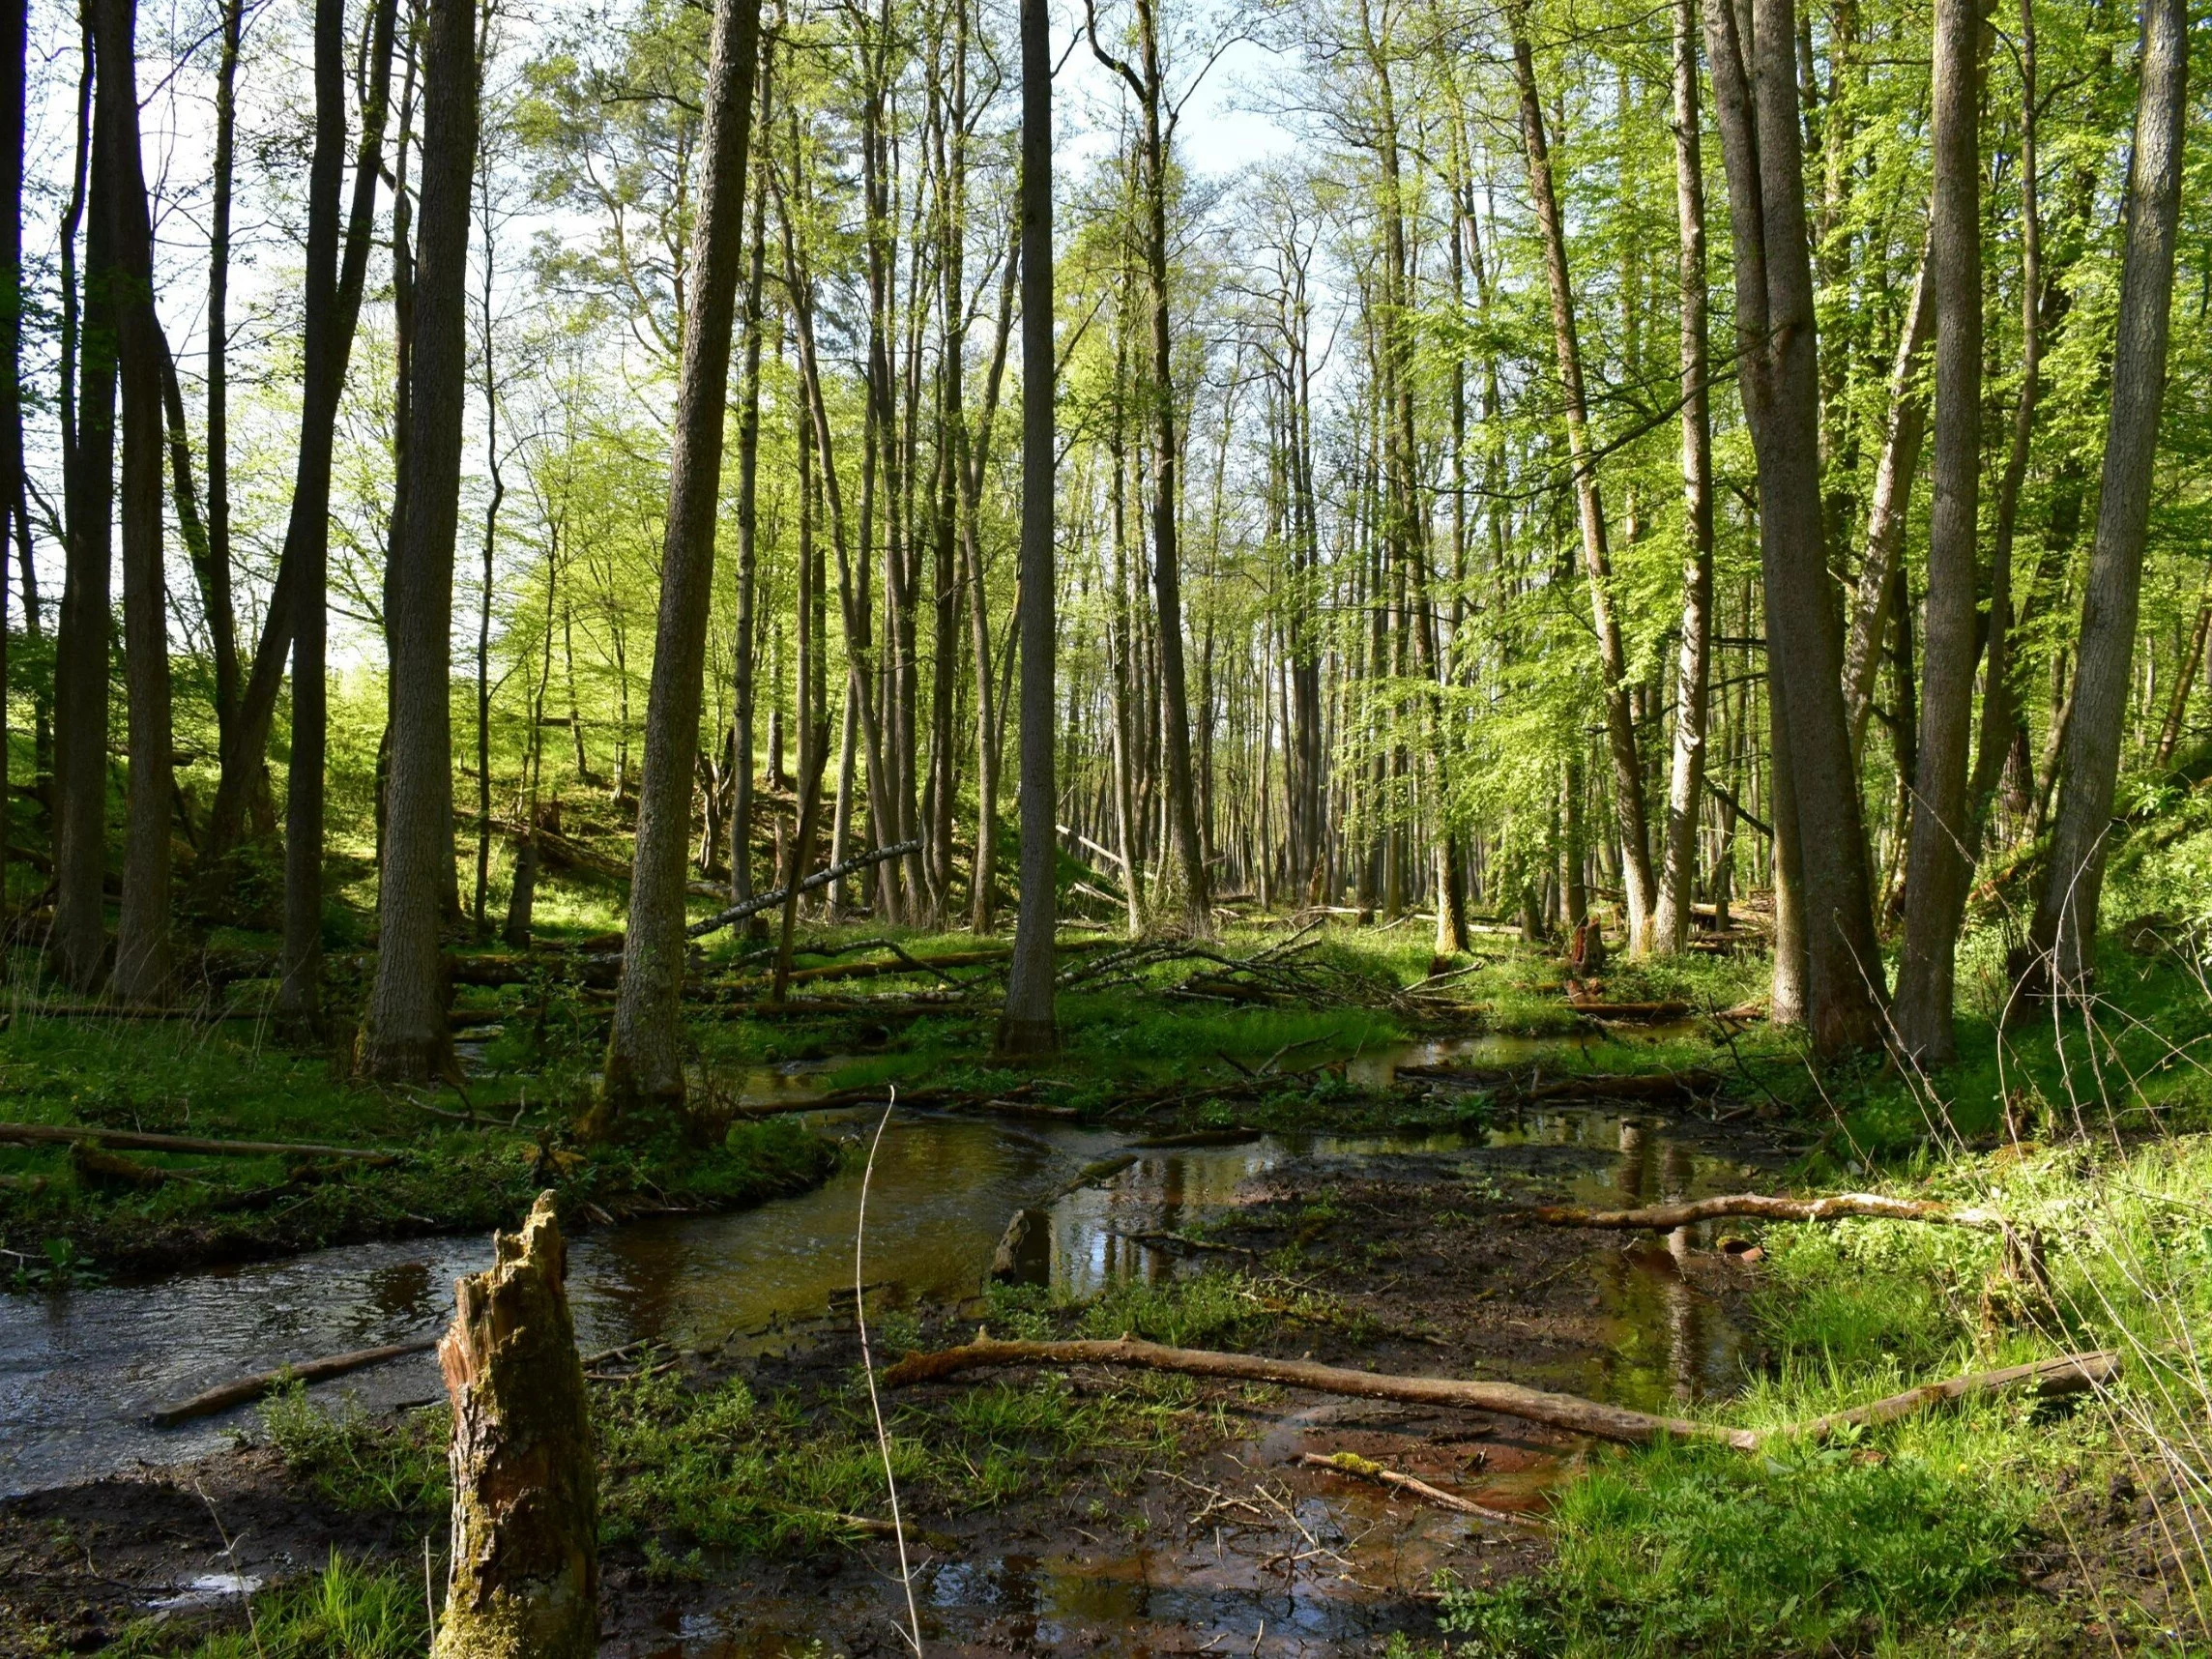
{"x":1088,"y":1510}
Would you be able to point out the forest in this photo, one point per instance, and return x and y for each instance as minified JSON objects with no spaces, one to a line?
{"x":1336,"y":826}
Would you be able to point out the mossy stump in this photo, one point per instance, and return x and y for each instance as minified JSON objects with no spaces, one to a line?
{"x":525,"y":1576}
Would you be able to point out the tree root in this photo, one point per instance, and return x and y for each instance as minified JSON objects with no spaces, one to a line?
{"x":2068,"y":1374}
{"x":1665,"y":1217}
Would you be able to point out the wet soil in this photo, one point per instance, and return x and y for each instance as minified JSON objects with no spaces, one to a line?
{"x":1228,"y":1544}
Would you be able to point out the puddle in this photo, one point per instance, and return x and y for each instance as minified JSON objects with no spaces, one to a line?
{"x":78,"y":1371}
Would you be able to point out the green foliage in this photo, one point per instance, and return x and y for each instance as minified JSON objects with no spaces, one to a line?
{"x":359,"y":1463}
{"x":344,"y":1612}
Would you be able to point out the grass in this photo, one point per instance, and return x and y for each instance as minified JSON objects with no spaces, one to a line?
{"x":361,"y":1463}
{"x":344,"y":1612}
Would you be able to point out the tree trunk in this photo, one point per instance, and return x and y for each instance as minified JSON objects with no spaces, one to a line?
{"x":1629,"y":815}
{"x":404,"y":1038}
{"x":81,"y":646}
{"x":1027,"y":1026}
{"x":1670,"y":923}
{"x":1938,"y":866}
{"x":2062,"y":944}
{"x":644,"y":1053}
{"x":748,"y":518}
{"x":524,"y":1583}
{"x":1761,"y":139}
{"x":142,"y":962}
{"x":15,"y":45}
{"x":227,"y":689}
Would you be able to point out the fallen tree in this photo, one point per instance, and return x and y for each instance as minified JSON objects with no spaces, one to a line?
{"x":133,"y":1141}
{"x":2068,"y":1374}
{"x":751,"y":907}
{"x":1665,"y":1217}
{"x":224,"y":1395}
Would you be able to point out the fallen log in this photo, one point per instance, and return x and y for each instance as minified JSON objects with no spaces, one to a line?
{"x":1640,"y":1013}
{"x":1366,"y":1469}
{"x":737,"y":912}
{"x":2047,"y":1378}
{"x":1665,"y":1086}
{"x":1665,"y":1217}
{"x":132,"y":1140}
{"x":224,"y":1395}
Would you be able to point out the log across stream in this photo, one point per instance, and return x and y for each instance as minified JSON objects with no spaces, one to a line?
{"x":79,"y":1372}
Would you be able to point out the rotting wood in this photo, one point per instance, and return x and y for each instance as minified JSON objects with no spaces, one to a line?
{"x":135,"y":1140}
{"x":524,"y":1583}
{"x":1367,"y":1469}
{"x":224,"y":1395}
{"x":2047,"y":1378}
{"x":94,"y":1162}
{"x":1665,"y":1217}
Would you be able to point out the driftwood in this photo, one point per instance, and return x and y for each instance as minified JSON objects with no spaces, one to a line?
{"x":2068,"y":1374}
{"x":751,"y":907}
{"x":1665,"y":1217}
{"x":1366,"y":1469}
{"x":224,"y":1395}
{"x":129,"y":1140}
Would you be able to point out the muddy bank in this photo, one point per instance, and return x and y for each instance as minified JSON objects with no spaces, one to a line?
{"x":1187,"y":1522}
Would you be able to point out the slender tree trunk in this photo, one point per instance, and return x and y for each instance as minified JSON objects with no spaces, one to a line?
{"x":748,"y":513}
{"x":2063,"y":941}
{"x":1629,"y":816}
{"x":15,"y":45}
{"x":81,"y":645}
{"x":1027,"y":1026}
{"x":333,"y":287}
{"x":1670,"y":924}
{"x":1755,"y":91}
{"x":645,"y":1061}
{"x":983,"y":878}
{"x":1937,"y":863}
{"x":405,"y":1037}
{"x":142,"y":962}
{"x":227,"y":689}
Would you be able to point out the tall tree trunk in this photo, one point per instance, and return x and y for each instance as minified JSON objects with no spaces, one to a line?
{"x":405,"y":1037}
{"x":1670,"y":923}
{"x":333,"y":288}
{"x":1629,"y":816}
{"x":227,"y":690}
{"x":1027,"y":1026}
{"x":1816,"y":785}
{"x":2063,"y":940}
{"x":142,"y":962}
{"x":645,"y":1059}
{"x":748,"y":515}
{"x":15,"y":45}
{"x":1937,"y":866}
{"x":81,"y":645}
{"x":983,"y":878}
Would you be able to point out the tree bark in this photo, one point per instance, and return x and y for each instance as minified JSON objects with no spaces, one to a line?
{"x":404,"y":1038}
{"x":2062,"y":943}
{"x":1761,"y":142}
{"x":1629,"y":816}
{"x":748,"y":517}
{"x":81,"y":645}
{"x":524,"y":1583}
{"x":1693,"y":678}
{"x":1027,"y":1025}
{"x":15,"y":45}
{"x":1937,"y":866}
{"x":645,"y":1061}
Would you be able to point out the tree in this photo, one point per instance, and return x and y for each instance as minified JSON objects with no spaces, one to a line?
{"x":2062,"y":942}
{"x":1817,"y":798}
{"x":1935,"y":878}
{"x":645,"y":1061}
{"x":1027,"y":1026}
{"x":404,"y":1037}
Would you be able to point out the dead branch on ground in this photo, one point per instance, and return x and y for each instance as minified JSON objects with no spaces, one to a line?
{"x":1665,"y":1217}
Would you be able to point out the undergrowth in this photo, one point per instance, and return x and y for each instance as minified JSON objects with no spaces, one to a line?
{"x":344,"y":1612}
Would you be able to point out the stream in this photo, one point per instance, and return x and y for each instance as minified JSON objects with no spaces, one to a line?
{"x":79,"y":1370}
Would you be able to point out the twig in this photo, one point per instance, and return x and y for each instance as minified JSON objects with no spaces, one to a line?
{"x":1365,"y":1469}
{"x":868,"y":1370}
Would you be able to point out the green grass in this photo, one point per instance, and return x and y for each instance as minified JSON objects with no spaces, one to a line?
{"x":361,"y":1464}
{"x":344,"y":1612}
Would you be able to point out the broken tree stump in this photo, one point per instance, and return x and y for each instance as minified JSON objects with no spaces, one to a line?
{"x":525,"y":1576}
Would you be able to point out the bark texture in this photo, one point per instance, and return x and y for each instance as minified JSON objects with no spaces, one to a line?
{"x":2063,"y":940}
{"x":525,"y":1577}
{"x":1027,"y":1024}
{"x":404,"y":1037}
{"x":645,"y":1059}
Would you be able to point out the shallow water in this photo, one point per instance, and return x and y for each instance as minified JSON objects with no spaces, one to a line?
{"x":79,"y":1370}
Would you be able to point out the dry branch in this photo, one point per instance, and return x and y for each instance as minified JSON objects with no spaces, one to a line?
{"x":2068,"y":1374}
{"x":224,"y":1395}
{"x":819,"y":879}
{"x":1366,"y":1469}
{"x":129,"y":1140}
{"x":1665,"y":1217}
